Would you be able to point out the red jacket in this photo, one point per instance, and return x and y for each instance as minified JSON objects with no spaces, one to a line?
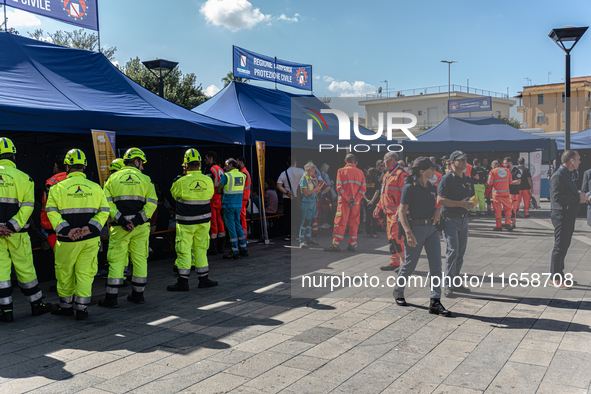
{"x":45,"y":223}
{"x":391,"y":192}
{"x":216,"y":175}
{"x":350,"y":183}
{"x":246,"y":193}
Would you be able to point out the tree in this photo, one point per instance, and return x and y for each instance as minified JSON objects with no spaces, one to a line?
{"x":510,"y":121}
{"x":78,"y":39}
{"x":230,"y":77}
{"x":178,"y":88}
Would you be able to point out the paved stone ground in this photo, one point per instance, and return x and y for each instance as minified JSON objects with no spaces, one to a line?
{"x":254,"y":334}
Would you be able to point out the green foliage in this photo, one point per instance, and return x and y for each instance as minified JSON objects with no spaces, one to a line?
{"x":510,"y":121}
{"x":79,"y":39}
{"x":230,"y":77}
{"x":178,"y":88}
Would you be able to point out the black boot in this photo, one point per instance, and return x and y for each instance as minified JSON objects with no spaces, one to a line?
{"x":38,"y":308}
{"x":136,"y":297}
{"x":221,"y":243}
{"x":243,"y":253}
{"x":204,"y":281}
{"x":212,"y":251}
{"x":6,"y":315}
{"x":435,"y":308}
{"x":110,"y":301}
{"x":182,"y":284}
{"x":399,"y":297}
{"x":59,"y":311}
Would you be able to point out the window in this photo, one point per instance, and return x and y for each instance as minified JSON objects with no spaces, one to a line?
{"x":540,"y":99}
{"x":588,"y":96}
{"x":563,"y":98}
{"x":563,"y":115}
{"x":540,"y":118}
{"x":589,"y":115}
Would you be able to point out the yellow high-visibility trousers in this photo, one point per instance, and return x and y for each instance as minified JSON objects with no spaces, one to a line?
{"x":191,"y":244}
{"x":124,"y":246}
{"x":76,"y":264}
{"x":16,"y":250}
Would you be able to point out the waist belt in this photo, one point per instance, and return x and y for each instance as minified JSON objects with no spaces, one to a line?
{"x":420,"y":222}
{"x":456,"y":215}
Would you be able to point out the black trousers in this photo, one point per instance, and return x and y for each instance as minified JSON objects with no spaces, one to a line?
{"x":371,"y":223}
{"x":564,"y":227}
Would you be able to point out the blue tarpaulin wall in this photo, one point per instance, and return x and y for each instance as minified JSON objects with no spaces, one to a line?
{"x":267,"y":115}
{"x":50,"y":88}
{"x":581,"y":140}
{"x":475,"y":134}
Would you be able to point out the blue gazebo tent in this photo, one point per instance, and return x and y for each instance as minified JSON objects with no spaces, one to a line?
{"x":475,"y":134}
{"x":50,"y":88}
{"x":270,"y":115}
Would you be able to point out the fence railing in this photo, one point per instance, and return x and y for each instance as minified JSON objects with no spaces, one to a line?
{"x":432,"y":90}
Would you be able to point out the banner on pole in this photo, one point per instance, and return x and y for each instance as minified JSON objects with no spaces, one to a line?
{"x":469,"y":105}
{"x":251,"y":65}
{"x":104,"y":151}
{"x":83,"y":13}
{"x":260,"y":146}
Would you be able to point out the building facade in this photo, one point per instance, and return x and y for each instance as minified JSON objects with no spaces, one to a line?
{"x":430,"y":108}
{"x":543,"y":106}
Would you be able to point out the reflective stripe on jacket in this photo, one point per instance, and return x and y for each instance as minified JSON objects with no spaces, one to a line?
{"x":131,"y":196}
{"x":192,"y":194}
{"x":233,"y":187}
{"x":17,"y":197}
{"x":499,"y":180}
{"x":76,"y":202}
{"x":391,"y":192}
{"x":216,"y":176}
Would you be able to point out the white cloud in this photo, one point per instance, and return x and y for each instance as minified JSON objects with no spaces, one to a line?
{"x":282,"y":17}
{"x":233,"y":14}
{"x":18,"y":18}
{"x":316,"y":76}
{"x":211,"y":90}
{"x":326,"y":78}
{"x":355,"y":89}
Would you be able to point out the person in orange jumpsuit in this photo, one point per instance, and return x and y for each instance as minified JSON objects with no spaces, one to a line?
{"x":350,"y":191}
{"x":246,"y":194}
{"x":59,"y":174}
{"x":391,"y":193}
{"x":499,"y":180}
{"x":513,"y":188}
{"x":217,"y":231}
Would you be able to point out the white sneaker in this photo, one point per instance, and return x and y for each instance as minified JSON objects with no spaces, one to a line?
{"x":325,"y":226}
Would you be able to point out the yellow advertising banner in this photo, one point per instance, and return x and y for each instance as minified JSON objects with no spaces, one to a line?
{"x":260,"y":146}
{"x":104,"y":152}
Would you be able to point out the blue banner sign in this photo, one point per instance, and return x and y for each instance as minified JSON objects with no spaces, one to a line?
{"x":470,"y":105}
{"x":83,"y":13}
{"x":251,"y":65}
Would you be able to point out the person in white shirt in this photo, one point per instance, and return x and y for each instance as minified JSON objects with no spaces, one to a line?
{"x":288,"y":184}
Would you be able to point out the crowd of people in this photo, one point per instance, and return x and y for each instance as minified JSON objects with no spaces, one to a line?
{"x":208,"y":201}
{"x":416,"y":203}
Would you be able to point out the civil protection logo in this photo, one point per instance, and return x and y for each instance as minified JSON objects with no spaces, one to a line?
{"x":76,"y":9}
{"x":197,"y":186}
{"x":243,"y":61}
{"x":302,"y":76}
{"x":502,"y":172}
{"x":129,"y":178}
{"x":2,"y":179}
{"x":79,"y":190}
{"x":453,"y":106}
{"x":315,"y":116}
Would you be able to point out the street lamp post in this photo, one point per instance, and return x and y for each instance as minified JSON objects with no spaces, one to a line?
{"x":160,"y":65}
{"x":448,"y":82}
{"x":562,"y":37}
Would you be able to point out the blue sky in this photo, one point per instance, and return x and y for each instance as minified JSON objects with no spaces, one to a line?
{"x":352,"y":45}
